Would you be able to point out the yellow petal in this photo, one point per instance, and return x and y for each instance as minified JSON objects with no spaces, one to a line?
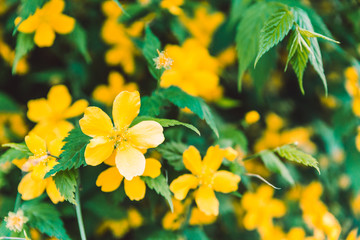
{"x":125,"y":108}
{"x":59,"y":98}
{"x":36,"y":144}
{"x":146,"y":134}
{"x":152,"y":168}
{"x":44,"y":35}
{"x":62,"y":24}
{"x":39,"y":110}
{"x":109,"y":180}
{"x":230,"y":153}
{"x":181,"y":185}
{"x":55,"y":147}
{"x":225,"y":182}
{"x":98,"y":150}
{"x":30,"y":24}
{"x":213,"y":158}
{"x":135,"y":189}
{"x":95,"y":122}
{"x":30,"y":188}
{"x":198,"y":217}
{"x":130,"y":162}
{"x":54,"y":6}
{"x":206,"y":201}
{"x":111,"y":160}
{"x":192,"y":160}
{"x":76,"y":109}
{"x":53,"y":192}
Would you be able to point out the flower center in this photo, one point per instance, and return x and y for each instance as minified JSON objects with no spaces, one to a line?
{"x":206,"y":177}
{"x":34,"y":160}
{"x":120,"y":137}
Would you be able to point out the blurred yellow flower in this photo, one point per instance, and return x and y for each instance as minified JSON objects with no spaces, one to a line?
{"x":261,"y":208}
{"x":203,"y":25}
{"x":15,"y":221}
{"x":122,"y":226}
{"x":46,"y":21}
{"x":9,"y":55}
{"x":252,"y":117}
{"x":193,"y":70}
{"x":353,"y":235}
{"x":173,"y":6}
{"x":128,"y":143}
{"x":13,"y":122}
{"x":50,"y":114}
{"x":316,"y":214}
{"x":119,"y":37}
{"x":106,"y":94}
{"x":198,"y":217}
{"x":227,"y":57}
{"x":33,"y":184}
{"x":206,"y":177}
{"x":110,"y":179}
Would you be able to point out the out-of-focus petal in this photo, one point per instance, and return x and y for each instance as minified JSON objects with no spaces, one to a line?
{"x":192,"y":160}
{"x":206,"y":201}
{"x":181,"y":185}
{"x":135,"y":188}
{"x":76,"y":109}
{"x":225,"y":182}
{"x":44,"y":35}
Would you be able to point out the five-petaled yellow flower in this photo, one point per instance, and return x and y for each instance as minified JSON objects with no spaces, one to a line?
{"x":33,"y":184}
{"x":205,"y":174}
{"x":128,"y":142}
{"x":46,"y":21}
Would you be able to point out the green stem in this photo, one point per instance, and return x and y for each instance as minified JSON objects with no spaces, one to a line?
{"x":79,"y":215}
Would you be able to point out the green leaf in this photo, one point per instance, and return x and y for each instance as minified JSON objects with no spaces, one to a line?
{"x":19,"y":147}
{"x":28,"y":8}
{"x":66,"y":184}
{"x":236,"y":136}
{"x":313,"y":34}
{"x":299,"y":50}
{"x":291,"y":153}
{"x":197,"y":105}
{"x":150,"y":106}
{"x":108,"y":209}
{"x":24,"y":44}
{"x":274,"y":164}
{"x":274,"y":31}
{"x":247,"y":34}
{"x":12,"y":154}
{"x":166,"y":123}
{"x":151,"y":46}
{"x":73,"y":152}
{"x":4,"y":231}
{"x":7,"y":104}
{"x":161,"y":187}
{"x":195,"y":233}
{"x":79,"y":38}
{"x":45,"y":218}
{"x":173,"y":152}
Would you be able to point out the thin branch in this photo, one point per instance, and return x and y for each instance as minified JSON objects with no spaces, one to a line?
{"x":262,"y":179}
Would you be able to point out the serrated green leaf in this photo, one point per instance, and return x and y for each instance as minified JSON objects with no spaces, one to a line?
{"x":160,"y":185}
{"x":166,"y":123}
{"x":247,"y":34}
{"x":197,"y":105}
{"x":45,"y":218}
{"x":73,"y":152}
{"x":291,"y":153}
{"x":172,"y":152}
{"x":7,"y":104}
{"x":315,"y":57}
{"x":150,"y":106}
{"x":24,"y":44}
{"x":274,"y":164}
{"x":66,"y":182}
{"x":151,"y":45}
{"x":79,"y":38}
{"x":274,"y":31}
{"x":19,"y":147}
{"x":12,"y":154}
{"x":317,"y":35}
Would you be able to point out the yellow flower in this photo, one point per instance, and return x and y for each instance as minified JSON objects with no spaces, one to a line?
{"x":33,"y":183}
{"x":119,"y":36}
{"x":16,"y":221}
{"x":198,"y":217}
{"x":227,"y":57}
{"x":261,"y":208}
{"x":203,"y":25}
{"x":13,"y":122}
{"x":252,"y":117}
{"x":353,"y":235}
{"x":172,"y":5}
{"x":193,"y":70}
{"x":162,"y":61}
{"x":110,"y":179}
{"x":352,"y":78}
{"x":46,"y":21}
{"x":206,"y":176}
{"x":128,"y":142}
{"x":106,"y":94}
{"x":50,"y":114}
